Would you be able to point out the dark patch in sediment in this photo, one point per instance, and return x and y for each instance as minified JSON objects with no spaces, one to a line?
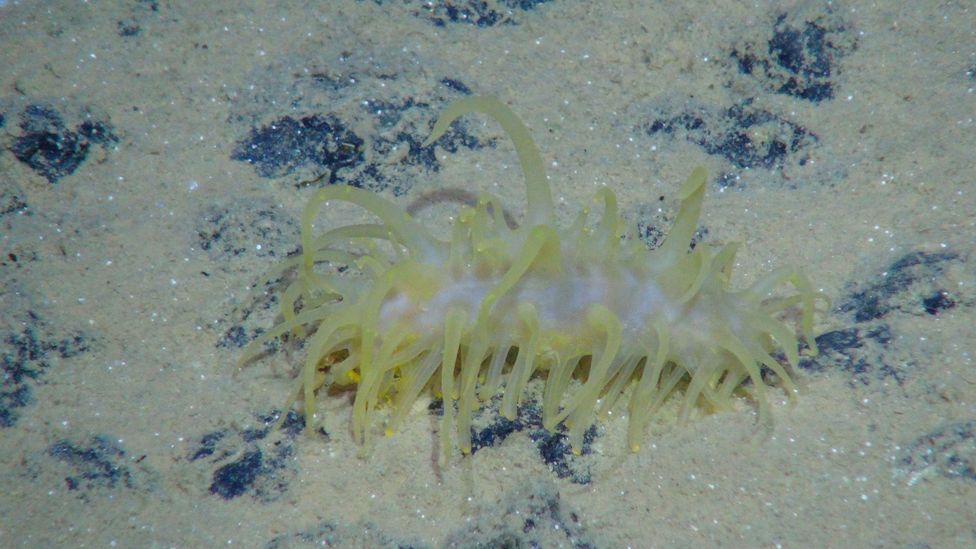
{"x":746,"y":136}
{"x":27,"y":352}
{"x":915,"y":284}
{"x":554,"y":450}
{"x":99,"y":463}
{"x":801,"y":57}
{"x":532,"y":515}
{"x":949,"y":450}
{"x":244,"y":462}
{"x":342,"y":117}
{"x":54,"y":147}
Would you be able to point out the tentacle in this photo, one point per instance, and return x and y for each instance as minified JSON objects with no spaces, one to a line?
{"x":702,"y":270}
{"x":412,"y":381}
{"x":542,"y":242}
{"x":723,"y":262}
{"x":584,"y":401}
{"x":319,"y":342}
{"x":556,"y":384}
{"x":616,"y":388}
{"x":288,"y":300}
{"x":607,"y":233}
{"x":400,"y":226}
{"x":494,"y":373}
{"x":699,"y":380}
{"x":784,"y":337}
{"x":805,"y":295}
{"x":362,"y":230}
{"x":454,"y":324}
{"x":681,"y":233}
{"x":539,"y":208}
{"x":731,"y":343}
{"x":640,"y":406}
{"x":808,"y":296}
{"x":305,"y":317}
{"x":369,"y":310}
{"x":470,"y":369}
{"x":768,"y":361}
{"x":524,"y":363}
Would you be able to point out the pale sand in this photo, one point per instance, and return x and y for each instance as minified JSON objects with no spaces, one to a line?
{"x":100,"y":453}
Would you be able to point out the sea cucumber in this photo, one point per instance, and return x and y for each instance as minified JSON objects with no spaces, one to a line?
{"x":594,"y":315}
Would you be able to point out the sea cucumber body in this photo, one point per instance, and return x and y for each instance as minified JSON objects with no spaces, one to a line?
{"x":595,"y":315}
{"x":562,"y":303}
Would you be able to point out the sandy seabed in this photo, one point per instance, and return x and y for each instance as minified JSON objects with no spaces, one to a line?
{"x":152,"y":156}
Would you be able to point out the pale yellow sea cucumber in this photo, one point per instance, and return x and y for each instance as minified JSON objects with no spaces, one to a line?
{"x":593,"y":315}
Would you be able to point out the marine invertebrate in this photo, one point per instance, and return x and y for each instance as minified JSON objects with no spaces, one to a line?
{"x":595,"y":315}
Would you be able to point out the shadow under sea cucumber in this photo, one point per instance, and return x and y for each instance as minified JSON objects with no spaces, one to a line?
{"x":596,"y":316}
